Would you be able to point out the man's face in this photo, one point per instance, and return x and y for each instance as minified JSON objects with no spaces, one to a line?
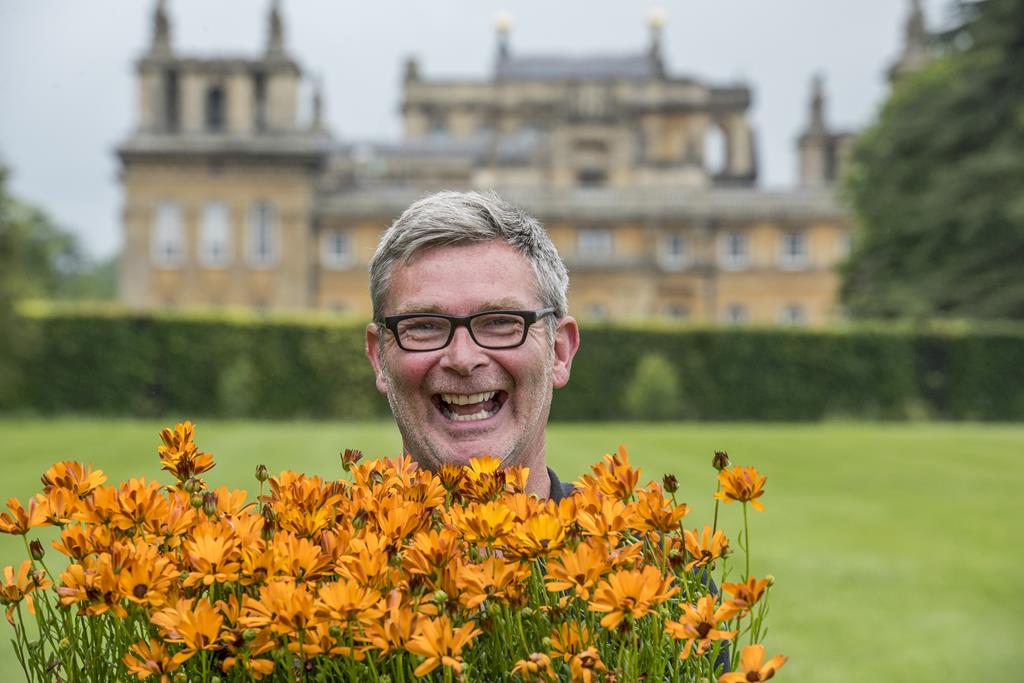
{"x":436,"y":395}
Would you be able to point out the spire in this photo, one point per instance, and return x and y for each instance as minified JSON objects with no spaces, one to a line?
{"x":161,"y":30}
{"x":816,"y":125}
{"x":915,"y":52}
{"x":412,"y":69}
{"x":275,"y":30}
{"x":502,"y":25}
{"x":317,"y":124}
{"x":656,"y":22}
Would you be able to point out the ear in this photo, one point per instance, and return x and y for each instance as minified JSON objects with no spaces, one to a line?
{"x":372,"y":348}
{"x":567,"y":342}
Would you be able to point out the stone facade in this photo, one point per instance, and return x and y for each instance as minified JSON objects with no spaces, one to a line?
{"x":231,"y":200}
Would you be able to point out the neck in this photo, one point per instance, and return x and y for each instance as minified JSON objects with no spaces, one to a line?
{"x":538,"y":482}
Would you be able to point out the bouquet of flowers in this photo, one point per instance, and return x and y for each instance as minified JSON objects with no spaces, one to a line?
{"x":391,"y":574}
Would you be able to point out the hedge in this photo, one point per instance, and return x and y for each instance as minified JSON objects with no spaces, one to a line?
{"x":122,"y":363}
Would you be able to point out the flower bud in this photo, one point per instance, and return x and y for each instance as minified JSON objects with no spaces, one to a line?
{"x":180,"y":677}
{"x":210,"y":503}
{"x":670,"y":483}
{"x":349,"y":458}
{"x":527,"y":611}
{"x":384,"y":678}
{"x":35,"y":549}
{"x":720,"y":461}
{"x":64,"y":644}
{"x":261,"y":473}
{"x":249,"y":635}
{"x":439,"y":597}
{"x":215,"y":679}
{"x":770,"y":578}
{"x":196,"y":501}
{"x":191,"y":485}
{"x":335,"y":631}
{"x":545,"y":643}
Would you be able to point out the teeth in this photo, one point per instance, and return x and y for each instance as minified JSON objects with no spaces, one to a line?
{"x":480,"y":415}
{"x":467,"y":399}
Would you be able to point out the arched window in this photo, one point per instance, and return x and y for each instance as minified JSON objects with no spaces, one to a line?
{"x":215,"y":235}
{"x":793,"y":250}
{"x":263,"y":238}
{"x":167,"y":239}
{"x":735,"y":250}
{"x":335,"y":249}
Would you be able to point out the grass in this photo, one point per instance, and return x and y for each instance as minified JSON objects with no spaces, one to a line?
{"x":896,"y":548}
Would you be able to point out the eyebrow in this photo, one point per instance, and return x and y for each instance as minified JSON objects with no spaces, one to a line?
{"x":507,"y":304}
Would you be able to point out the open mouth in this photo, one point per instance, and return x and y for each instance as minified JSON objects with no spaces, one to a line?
{"x":470,"y":407}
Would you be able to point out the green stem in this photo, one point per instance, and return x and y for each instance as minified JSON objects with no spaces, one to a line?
{"x":746,"y":540}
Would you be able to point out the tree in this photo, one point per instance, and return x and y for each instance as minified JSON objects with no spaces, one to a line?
{"x":937,"y":184}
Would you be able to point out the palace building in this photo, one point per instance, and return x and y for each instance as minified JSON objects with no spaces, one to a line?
{"x":231,"y":199}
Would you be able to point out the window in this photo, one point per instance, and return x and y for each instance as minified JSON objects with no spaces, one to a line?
{"x":335,"y":249}
{"x":736,"y":314}
{"x":734,"y":250}
{"x":168,"y":236}
{"x":215,"y":108}
{"x":793,"y":314}
{"x":262,"y":247}
{"x":674,"y":250}
{"x":793,"y":250}
{"x":845,"y":245}
{"x":594,"y":243}
{"x":591,"y":178}
{"x":215,"y":235}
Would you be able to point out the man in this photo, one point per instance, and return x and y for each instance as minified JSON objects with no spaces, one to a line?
{"x":470,"y":332}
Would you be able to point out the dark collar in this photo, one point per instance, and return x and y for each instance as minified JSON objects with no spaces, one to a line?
{"x":558,"y":489}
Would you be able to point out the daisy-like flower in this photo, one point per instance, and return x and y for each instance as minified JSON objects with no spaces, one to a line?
{"x":179,"y":454}
{"x":18,"y":586}
{"x":706,"y":548}
{"x":196,"y":626}
{"x":586,"y":666}
{"x":754,"y":668}
{"x":746,"y":594}
{"x":145,"y":659}
{"x":492,"y":578}
{"x":631,"y":593}
{"x":483,"y":523}
{"x":700,"y":625}
{"x":613,"y":476}
{"x":19,"y":520}
{"x":74,"y":476}
{"x":570,"y":639}
{"x":148,"y":578}
{"x":654,"y":512}
{"x":396,"y":628}
{"x":345,"y":602}
{"x":578,"y":569}
{"x":92,"y":584}
{"x":212,"y":554}
{"x":283,"y":606}
{"x":743,"y":484}
{"x":540,"y":534}
{"x":536,"y":668}
{"x":440,"y":644}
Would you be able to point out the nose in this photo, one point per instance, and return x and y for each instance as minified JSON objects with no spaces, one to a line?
{"x":462,"y":356}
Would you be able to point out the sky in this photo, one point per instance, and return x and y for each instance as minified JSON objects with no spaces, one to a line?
{"x":67,"y":89}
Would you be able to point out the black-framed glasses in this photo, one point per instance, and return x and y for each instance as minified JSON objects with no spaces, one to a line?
{"x":489,"y":329}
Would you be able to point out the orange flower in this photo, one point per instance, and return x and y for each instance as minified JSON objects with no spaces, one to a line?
{"x":540,"y":534}
{"x":613,"y":477}
{"x":570,"y":639}
{"x":346,"y":602}
{"x":397,"y":627}
{"x":93,"y":586}
{"x":654,"y":512}
{"x":74,"y":476}
{"x":197,"y":627}
{"x":631,"y":593}
{"x":748,"y":593}
{"x":20,"y":520}
{"x":707,"y":548}
{"x":283,"y":606}
{"x":146,"y":659}
{"x":17,"y":587}
{"x":179,"y":454}
{"x":578,"y":569}
{"x":606,"y":518}
{"x":212,"y":554}
{"x":440,"y":644}
{"x":585,"y":666}
{"x":430,"y":551}
{"x":754,"y":668}
{"x":148,"y":578}
{"x":743,"y":484}
{"x":494,"y":577}
{"x":485,"y":523}
{"x":700,"y":625}
{"x":535,"y":668}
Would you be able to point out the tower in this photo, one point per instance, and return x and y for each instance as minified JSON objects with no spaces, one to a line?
{"x":218,"y":178}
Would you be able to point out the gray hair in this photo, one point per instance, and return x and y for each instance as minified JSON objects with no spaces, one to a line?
{"x":449,"y":218}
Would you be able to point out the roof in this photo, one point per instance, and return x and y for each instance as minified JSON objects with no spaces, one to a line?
{"x":588,"y":67}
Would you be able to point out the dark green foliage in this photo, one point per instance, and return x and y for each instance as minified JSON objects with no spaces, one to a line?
{"x":146,"y":365}
{"x":936,"y":184}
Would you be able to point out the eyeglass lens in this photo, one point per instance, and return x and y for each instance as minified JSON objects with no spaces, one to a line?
{"x":495,"y":330}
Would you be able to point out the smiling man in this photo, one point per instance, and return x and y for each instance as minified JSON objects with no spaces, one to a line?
{"x":471,"y":332}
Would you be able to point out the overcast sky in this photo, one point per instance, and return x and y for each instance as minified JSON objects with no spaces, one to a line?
{"x":67,"y":92}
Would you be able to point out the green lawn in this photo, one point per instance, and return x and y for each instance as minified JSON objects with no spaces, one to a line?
{"x":896,"y":548}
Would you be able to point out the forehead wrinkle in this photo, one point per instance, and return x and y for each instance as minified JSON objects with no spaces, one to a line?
{"x":504,"y":304}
